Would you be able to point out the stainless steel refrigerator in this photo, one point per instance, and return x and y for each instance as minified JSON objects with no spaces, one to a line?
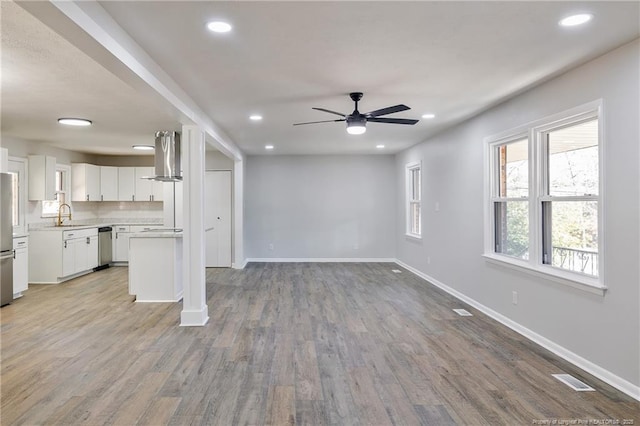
{"x":6,"y":240}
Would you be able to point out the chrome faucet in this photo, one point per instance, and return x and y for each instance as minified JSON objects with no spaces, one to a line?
{"x":59,"y":222}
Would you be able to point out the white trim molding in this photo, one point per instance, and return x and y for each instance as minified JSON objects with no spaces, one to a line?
{"x":606,"y":376}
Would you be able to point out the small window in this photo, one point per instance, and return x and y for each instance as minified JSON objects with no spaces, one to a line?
{"x":414,"y":195}
{"x":17,"y":170}
{"x":50,"y":207}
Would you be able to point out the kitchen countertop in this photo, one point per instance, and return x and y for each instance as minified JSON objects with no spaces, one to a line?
{"x":81,"y":224}
{"x":158,"y":233}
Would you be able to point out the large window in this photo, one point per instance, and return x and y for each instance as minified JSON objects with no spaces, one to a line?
{"x":414,"y":195}
{"x":544,"y":196}
{"x":17,"y":170}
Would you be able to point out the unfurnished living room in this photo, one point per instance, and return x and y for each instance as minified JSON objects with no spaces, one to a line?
{"x":320,"y":213}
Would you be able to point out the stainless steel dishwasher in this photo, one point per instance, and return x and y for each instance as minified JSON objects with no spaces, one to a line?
{"x":105,"y":253}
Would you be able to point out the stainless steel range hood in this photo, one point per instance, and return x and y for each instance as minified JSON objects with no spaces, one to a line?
{"x":167,"y":157}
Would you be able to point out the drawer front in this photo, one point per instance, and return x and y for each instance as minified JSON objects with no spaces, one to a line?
{"x":19,"y":243}
{"x":80,"y":233}
{"x":121,"y":228}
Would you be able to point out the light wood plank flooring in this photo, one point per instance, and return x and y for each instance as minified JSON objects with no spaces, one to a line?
{"x":301,"y":343}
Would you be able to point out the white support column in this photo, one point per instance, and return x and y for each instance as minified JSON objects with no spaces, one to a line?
{"x":238,"y":214}
{"x":194,"y":302}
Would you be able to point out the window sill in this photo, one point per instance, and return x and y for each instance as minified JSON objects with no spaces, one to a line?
{"x":413,"y":237}
{"x":590,"y":285}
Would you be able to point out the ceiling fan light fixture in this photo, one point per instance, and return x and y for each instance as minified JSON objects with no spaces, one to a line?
{"x":74,"y":121}
{"x":356,"y":125}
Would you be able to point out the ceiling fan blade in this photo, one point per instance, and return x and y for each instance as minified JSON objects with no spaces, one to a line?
{"x":330,"y":112}
{"x":392,"y":120}
{"x":387,"y":110}
{"x":314,"y":122}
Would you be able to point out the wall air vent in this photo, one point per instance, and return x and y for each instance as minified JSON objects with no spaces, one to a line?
{"x":463,"y":312}
{"x":573,"y":383}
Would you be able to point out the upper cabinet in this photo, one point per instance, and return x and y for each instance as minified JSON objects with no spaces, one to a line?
{"x":42,"y":178}
{"x":85,"y":182}
{"x":105,"y":183}
{"x":108,"y":183}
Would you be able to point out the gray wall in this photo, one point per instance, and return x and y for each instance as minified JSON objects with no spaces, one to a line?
{"x":320,"y":206}
{"x":603,"y":330}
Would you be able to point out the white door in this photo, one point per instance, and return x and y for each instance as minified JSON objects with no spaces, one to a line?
{"x":217,"y":218}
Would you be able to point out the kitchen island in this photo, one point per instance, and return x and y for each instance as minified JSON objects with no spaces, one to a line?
{"x":155,"y":265}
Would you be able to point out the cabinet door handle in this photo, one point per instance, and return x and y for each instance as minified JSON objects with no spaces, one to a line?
{"x":88,"y":240}
{"x":87,"y":197}
{"x":65,"y":244}
{"x":14,"y":254}
{"x":133,"y":198}
{"x":102,"y":198}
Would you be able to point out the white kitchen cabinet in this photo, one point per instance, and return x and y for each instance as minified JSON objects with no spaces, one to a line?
{"x":42,"y":178}
{"x":108,"y":183}
{"x":144,"y":187}
{"x":85,"y":182}
{"x":20,"y":266}
{"x":80,"y":251}
{"x":126,"y":183}
{"x":157,"y":190}
{"x":120,"y":239}
{"x":56,"y":255}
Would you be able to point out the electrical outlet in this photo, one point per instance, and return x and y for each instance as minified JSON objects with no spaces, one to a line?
{"x":271,"y":246}
{"x":514,"y":297}
{"x":437,"y":206}
{"x":428,"y":260}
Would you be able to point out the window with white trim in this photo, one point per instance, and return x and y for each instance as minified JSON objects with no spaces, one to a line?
{"x":50,"y":207}
{"x":543,"y":210}
{"x":17,"y":170}
{"x":414,"y":195}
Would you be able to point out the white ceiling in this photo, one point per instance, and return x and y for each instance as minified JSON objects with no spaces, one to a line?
{"x":453,"y":59}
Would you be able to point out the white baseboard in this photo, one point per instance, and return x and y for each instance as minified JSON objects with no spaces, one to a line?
{"x":241,"y":265}
{"x":194,"y":318}
{"x":606,"y":376}
{"x":321,"y":260}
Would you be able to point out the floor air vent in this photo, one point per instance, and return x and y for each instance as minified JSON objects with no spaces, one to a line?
{"x":396,"y":271}
{"x":463,"y":312}
{"x":573,"y":383}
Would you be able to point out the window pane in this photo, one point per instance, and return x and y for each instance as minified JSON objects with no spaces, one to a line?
{"x":574,"y":235}
{"x":415,"y":184}
{"x":573,"y":160}
{"x":512,"y":228}
{"x":415,"y":218}
{"x":513,"y":161}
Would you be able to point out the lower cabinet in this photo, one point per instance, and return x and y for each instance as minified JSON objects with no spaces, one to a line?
{"x":20,"y":266}
{"x":79,"y":254}
{"x":120,"y":239}
{"x":56,"y":255}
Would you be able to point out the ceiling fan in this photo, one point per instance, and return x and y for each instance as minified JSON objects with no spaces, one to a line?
{"x":356,"y":122}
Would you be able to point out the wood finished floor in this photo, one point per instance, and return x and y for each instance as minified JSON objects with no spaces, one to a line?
{"x":301,"y":343}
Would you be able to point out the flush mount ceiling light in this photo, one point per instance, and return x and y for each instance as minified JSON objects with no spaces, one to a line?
{"x":573,"y":20}
{"x":255,"y":117}
{"x":219,"y":26}
{"x":143,"y":147}
{"x":74,"y":121}
{"x":268,"y":147}
{"x":428,"y":116}
{"x":379,"y":146}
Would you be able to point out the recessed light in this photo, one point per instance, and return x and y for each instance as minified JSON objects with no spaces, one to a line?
{"x":143,"y":147}
{"x":428,"y":116}
{"x":379,"y":146}
{"x":573,"y":20}
{"x":268,"y":147}
{"x":255,"y":117}
{"x":219,"y":27}
{"x":74,"y":121}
